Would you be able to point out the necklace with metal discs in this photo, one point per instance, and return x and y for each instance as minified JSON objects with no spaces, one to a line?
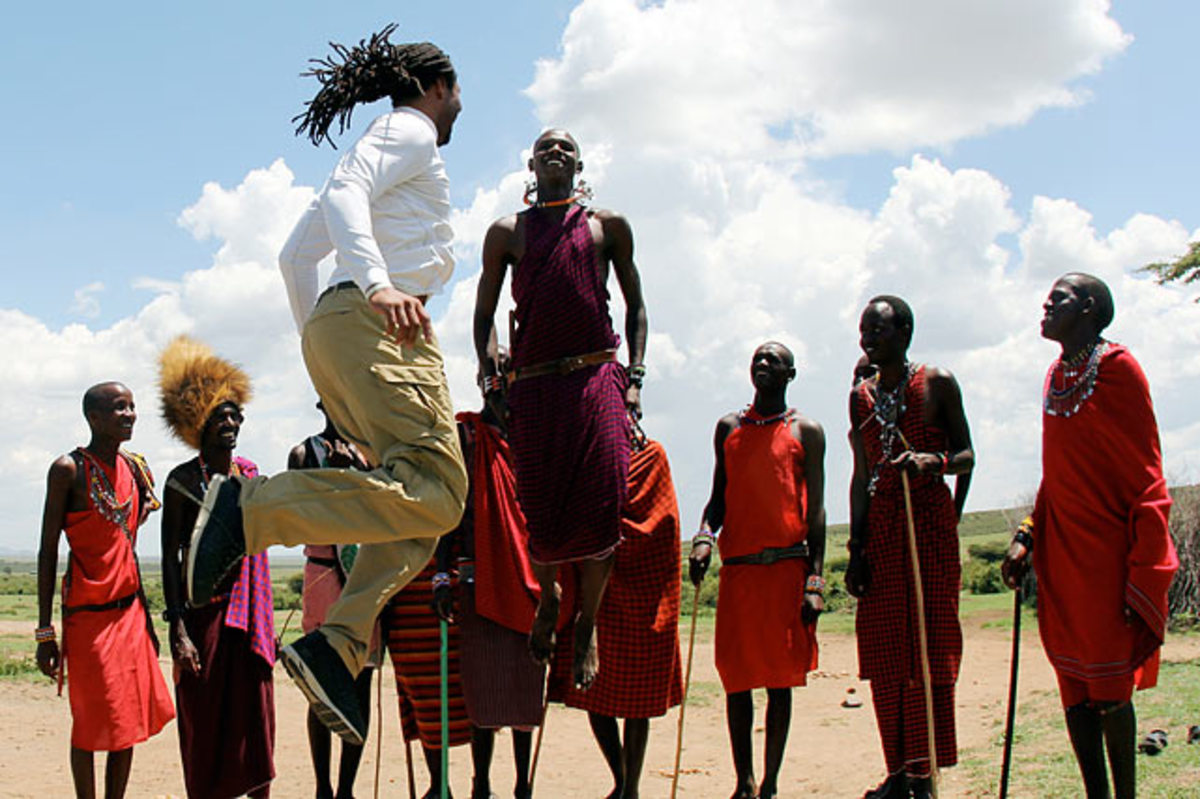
{"x":1073,"y":380}
{"x":889,"y":407}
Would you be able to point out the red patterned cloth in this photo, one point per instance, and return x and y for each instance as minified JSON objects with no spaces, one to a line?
{"x":506,"y":591}
{"x":117,"y":692}
{"x":1100,"y":531}
{"x":414,"y":643}
{"x":569,"y":433}
{"x":886,"y":619}
{"x":904,"y":730}
{"x":761,"y":641}
{"x":638,"y":625}
{"x":252,"y":600}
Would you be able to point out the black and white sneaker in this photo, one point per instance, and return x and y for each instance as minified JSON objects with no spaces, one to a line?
{"x":218,"y":540}
{"x":329,"y":686}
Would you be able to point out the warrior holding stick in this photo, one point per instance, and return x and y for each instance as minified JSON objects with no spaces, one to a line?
{"x":908,"y":431}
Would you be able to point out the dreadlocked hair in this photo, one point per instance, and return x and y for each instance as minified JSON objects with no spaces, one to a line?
{"x":374,"y":69}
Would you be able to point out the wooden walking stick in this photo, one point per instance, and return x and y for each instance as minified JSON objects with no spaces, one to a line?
{"x":922,"y":638}
{"x":537,"y":744}
{"x":687,"y":682}
{"x":412,"y":778}
{"x":1012,"y":693}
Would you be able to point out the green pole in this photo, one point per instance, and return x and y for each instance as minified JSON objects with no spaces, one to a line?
{"x":445,"y":664}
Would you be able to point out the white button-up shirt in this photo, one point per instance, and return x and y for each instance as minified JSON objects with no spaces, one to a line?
{"x":385,"y":212}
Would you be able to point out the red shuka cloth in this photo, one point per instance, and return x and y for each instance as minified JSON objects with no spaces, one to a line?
{"x":761,"y":640}
{"x":886,"y":619}
{"x":637,"y":628}
{"x":506,"y":590}
{"x":117,"y":692}
{"x":1100,"y":531}
{"x":569,"y":433}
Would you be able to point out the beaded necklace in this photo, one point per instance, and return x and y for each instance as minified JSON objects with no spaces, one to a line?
{"x":104,"y":496}
{"x":745,"y":418}
{"x":890,"y":405}
{"x":581,"y":192}
{"x":1072,"y":381}
{"x":206,"y":475}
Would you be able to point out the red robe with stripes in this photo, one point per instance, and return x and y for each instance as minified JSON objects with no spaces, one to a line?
{"x":1100,"y":531}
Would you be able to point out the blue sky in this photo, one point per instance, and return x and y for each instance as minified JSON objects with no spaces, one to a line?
{"x":780,"y":163}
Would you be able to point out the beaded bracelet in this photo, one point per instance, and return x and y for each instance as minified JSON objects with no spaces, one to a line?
{"x":636,"y":373}
{"x":441,"y":580}
{"x":815,"y":584}
{"x":703,"y":537}
{"x":490,"y":383}
{"x":44,"y":634}
{"x":945,"y":458}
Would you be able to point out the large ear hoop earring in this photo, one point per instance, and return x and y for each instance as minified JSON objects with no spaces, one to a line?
{"x":530,"y":190}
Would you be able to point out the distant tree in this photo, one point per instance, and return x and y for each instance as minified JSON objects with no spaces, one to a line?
{"x":1184,"y":269}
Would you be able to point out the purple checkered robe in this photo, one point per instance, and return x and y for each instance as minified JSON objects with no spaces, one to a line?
{"x":569,"y":434}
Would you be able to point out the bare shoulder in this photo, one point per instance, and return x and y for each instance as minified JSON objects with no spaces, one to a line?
{"x":727,"y":423}
{"x":808,"y":431}
{"x":941,"y":381}
{"x":63,"y":469}
{"x":611,"y":220}
{"x":186,"y":473}
{"x":504,"y":227}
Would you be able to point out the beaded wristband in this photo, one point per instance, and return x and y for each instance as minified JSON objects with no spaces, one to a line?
{"x":945,"y":458}
{"x":1022,"y":537}
{"x":490,"y":383}
{"x":815,"y":584}
{"x":441,"y":580}
{"x":636,"y":373}
{"x":44,"y":634}
{"x":703,"y":537}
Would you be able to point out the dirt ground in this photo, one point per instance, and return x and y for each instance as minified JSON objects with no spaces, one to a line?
{"x":832,"y":751}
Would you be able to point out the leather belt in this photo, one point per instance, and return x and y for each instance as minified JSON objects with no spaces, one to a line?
{"x":768,"y":556}
{"x":350,"y":284}
{"x":563,"y":366}
{"x":116,"y":604}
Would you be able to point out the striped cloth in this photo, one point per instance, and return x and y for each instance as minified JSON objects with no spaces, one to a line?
{"x":886,"y":619}
{"x":637,"y":628}
{"x":569,"y":434}
{"x":252,"y":600}
{"x":414,"y":643}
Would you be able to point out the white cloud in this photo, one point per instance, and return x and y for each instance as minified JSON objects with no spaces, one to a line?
{"x":696,"y":122}
{"x":86,"y":304}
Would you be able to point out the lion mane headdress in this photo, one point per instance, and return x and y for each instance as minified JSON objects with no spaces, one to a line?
{"x":192,"y":383}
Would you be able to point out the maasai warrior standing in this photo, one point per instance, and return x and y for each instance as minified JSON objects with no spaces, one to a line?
{"x":324,"y":577}
{"x":498,"y":593}
{"x":906,"y":417}
{"x":224,"y":650}
{"x":373,"y":358}
{"x":569,"y":398}
{"x":1101,"y":548}
{"x":768,"y":494}
{"x":638,"y":625}
{"x":99,"y":495}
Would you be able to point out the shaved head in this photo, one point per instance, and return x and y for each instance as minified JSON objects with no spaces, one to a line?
{"x":784,"y":352}
{"x":1092,"y":287}
{"x":95,"y":398}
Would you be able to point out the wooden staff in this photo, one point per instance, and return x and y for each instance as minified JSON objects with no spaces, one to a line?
{"x":922,"y":639}
{"x":687,"y":681}
{"x":1012,"y":693}
{"x":379,"y":729}
{"x":537,"y":745}
{"x":412,"y":778}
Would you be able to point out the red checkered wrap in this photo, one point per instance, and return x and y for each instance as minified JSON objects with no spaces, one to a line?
{"x":903,"y":728}
{"x":638,"y":625}
{"x":414,"y":643}
{"x":569,"y":434}
{"x":252,"y":600}
{"x":886,"y":619}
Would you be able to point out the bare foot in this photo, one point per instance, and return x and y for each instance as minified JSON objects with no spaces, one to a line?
{"x":541,"y":635}
{"x":586,"y":664}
